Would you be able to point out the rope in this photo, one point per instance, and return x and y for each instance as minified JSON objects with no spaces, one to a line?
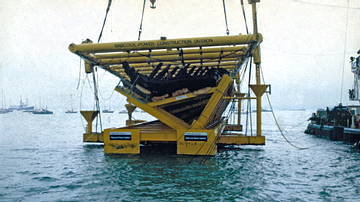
{"x":248,"y":111}
{"x":342,"y":78}
{"x":79,"y":76}
{"x":243,"y":10}
{"x":142,"y":16}
{"x":277,"y":124}
{"x":227,"y":29}
{"x":97,"y":103}
{"x":107,"y":11}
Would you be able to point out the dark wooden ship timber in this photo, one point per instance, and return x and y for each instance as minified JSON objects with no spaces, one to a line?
{"x":159,"y":85}
{"x":168,"y":83}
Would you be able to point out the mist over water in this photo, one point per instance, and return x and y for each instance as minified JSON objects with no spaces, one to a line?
{"x":43,"y":159}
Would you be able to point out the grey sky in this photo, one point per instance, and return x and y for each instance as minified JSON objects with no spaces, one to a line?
{"x":302,"y":51}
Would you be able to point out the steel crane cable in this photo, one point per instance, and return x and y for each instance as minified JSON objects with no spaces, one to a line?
{"x":248,"y":111}
{"x":107,"y":11}
{"x":243,"y":10}
{"x":142,"y":16}
{"x":97,"y":101}
{"x":227,"y":29}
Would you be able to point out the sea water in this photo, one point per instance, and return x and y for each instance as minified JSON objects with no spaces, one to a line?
{"x":43,"y":158}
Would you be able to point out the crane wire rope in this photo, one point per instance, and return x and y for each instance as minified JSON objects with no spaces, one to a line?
{"x":142,"y":16}
{"x":248,"y":110}
{"x":102,"y":29}
{"x":97,"y":102}
{"x":227,"y":29}
{"x":79,"y":75}
{"x":243,"y":10}
{"x":342,"y":77}
{"x":275,"y":119}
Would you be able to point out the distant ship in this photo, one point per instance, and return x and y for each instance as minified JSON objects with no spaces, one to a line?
{"x":4,"y":111}
{"x":107,"y":111}
{"x":23,"y":106}
{"x":42,"y":111}
{"x":70,"y":111}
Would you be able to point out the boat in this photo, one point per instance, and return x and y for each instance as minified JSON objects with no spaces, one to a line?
{"x":71,"y":111}
{"x":186,"y":84}
{"x":42,"y":111}
{"x":21,"y":107}
{"x":107,"y":111}
{"x":28,"y":110}
{"x":262,"y":110}
{"x":340,"y":123}
{"x":3,"y":110}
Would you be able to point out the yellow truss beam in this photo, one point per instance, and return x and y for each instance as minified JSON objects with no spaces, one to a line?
{"x":165,"y":44}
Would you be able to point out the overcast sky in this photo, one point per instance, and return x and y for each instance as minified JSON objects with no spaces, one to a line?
{"x":305,"y":51}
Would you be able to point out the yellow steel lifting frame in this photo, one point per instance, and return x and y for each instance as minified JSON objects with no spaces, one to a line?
{"x":194,"y":135}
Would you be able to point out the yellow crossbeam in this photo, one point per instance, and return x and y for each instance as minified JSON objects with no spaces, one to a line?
{"x":165,"y":44}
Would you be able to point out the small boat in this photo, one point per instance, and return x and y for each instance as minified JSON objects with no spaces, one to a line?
{"x":42,"y":111}
{"x":71,"y":111}
{"x":107,"y":111}
{"x":2,"y":110}
{"x":28,"y":110}
{"x":262,"y":110}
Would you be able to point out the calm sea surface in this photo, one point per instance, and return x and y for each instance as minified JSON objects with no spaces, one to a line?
{"x":43,"y":158}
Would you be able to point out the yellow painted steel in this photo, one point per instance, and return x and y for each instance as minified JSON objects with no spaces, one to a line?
{"x":93,"y":137}
{"x":238,"y":139}
{"x":211,"y":106}
{"x":90,"y":136}
{"x":89,"y":117}
{"x":165,"y":44}
{"x":121,"y":141}
{"x":172,"y":52}
{"x":192,"y":142}
{"x":157,"y":112}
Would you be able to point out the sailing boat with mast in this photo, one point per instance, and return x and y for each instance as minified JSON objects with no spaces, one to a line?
{"x":3,"y":110}
{"x":71,"y":111}
{"x":42,"y":110}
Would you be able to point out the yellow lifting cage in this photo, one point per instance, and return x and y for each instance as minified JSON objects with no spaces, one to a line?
{"x":191,"y":119}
